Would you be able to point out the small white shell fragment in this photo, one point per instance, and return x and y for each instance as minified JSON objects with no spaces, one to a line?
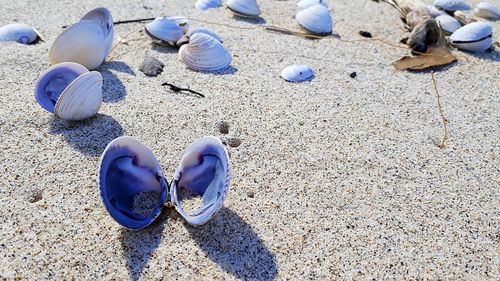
{"x":86,"y":42}
{"x":473,"y":37}
{"x":487,"y":10}
{"x":244,"y":8}
{"x":69,"y":91}
{"x":448,"y":23}
{"x":297,"y":73}
{"x":204,"y":53}
{"x":316,"y":20}
{"x":435,"y":12}
{"x":207,"y":4}
{"x":19,"y":32}
{"x":452,"y":5}
{"x":304,"y":4}
{"x":164,"y":29}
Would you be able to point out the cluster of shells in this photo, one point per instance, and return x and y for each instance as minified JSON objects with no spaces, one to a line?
{"x":465,"y":32}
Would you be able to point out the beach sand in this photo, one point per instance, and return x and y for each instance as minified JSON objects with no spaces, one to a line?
{"x":337,"y":178}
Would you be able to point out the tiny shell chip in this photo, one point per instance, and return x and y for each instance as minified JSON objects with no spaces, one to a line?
{"x":151,"y":66}
{"x":297,"y":73}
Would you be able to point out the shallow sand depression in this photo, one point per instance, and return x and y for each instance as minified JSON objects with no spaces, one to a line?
{"x":336,"y":178}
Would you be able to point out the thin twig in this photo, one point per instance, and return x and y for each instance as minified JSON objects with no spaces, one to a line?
{"x":179,"y":89}
{"x":443,"y":119}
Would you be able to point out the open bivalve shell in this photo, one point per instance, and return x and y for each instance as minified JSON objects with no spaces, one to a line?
{"x":448,"y":23}
{"x":204,"y":53}
{"x":69,"y":91}
{"x":473,"y":37}
{"x":452,"y":5}
{"x":19,"y":32}
{"x":133,"y":187}
{"x":244,"y":8}
{"x":487,"y":10}
{"x":167,"y":30}
{"x":304,"y":4}
{"x":207,"y":4}
{"x":297,"y":73}
{"x":86,"y":42}
{"x":316,"y":20}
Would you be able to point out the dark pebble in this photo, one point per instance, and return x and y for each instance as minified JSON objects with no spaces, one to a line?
{"x":151,"y":66}
{"x":365,"y":34}
{"x":353,"y":75}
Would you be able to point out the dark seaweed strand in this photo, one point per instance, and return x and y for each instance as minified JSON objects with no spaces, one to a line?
{"x":479,"y":40}
{"x":125,"y":21}
{"x":179,"y":89}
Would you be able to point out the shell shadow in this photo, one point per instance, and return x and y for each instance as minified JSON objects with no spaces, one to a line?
{"x":164,"y":49}
{"x":90,"y":136}
{"x":257,"y":20}
{"x":139,"y":245}
{"x":491,"y":56}
{"x":228,"y":71}
{"x":113,"y":88}
{"x":232,"y":243}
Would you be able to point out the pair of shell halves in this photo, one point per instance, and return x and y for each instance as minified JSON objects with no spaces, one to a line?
{"x":86,"y":42}
{"x":70,"y":91}
{"x":133,"y":187}
{"x":244,"y":8}
{"x":315,"y":18}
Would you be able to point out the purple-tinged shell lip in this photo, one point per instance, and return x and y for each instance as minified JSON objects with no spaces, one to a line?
{"x":52,"y":83}
{"x":116,"y":193}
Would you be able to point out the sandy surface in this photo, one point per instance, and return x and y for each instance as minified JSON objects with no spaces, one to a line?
{"x":337,"y":178}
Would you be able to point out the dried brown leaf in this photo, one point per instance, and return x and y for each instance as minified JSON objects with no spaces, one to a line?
{"x":434,"y":57}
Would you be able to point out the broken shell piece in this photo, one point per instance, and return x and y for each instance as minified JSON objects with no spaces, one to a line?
{"x":474,"y":37}
{"x":204,"y":170}
{"x":69,"y":91}
{"x":185,"y":39}
{"x":164,"y":30}
{"x":463,"y":18}
{"x":86,"y":42}
{"x":151,"y":66}
{"x":244,"y":8}
{"x":435,"y":12}
{"x":19,"y":32}
{"x":204,"y":53}
{"x":207,"y":4}
{"x":425,"y":34}
{"x":316,"y":20}
{"x":487,"y":10}
{"x":452,"y":5}
{"x":448,"y":23}
{"x":297,"y":73}
{"x":304,"y":4}
{"x":134,"y":189}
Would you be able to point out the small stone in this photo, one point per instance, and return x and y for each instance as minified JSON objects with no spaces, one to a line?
{"x":365,"y":34}
{"x":233,"y":142}
{"x":251,"y":194}
{"x":353,"y":74}
{"x":404,"y":40}
{"x":35,"y":195}
{"x":223,"y":127}
{"x":151,"y":66}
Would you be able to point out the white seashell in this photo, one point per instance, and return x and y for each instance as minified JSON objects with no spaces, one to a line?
{"x":297,"y":73}
{"x":164,"y":30}
{"x":448,"y":23}
{"x":19,"y":32}
{"x":304,"y":4}
{"x":128,"y":170}
{"x":207,"y":4}
{"x":181,"y":21}
{"x":86,"y":42}
{"x":316,"y":19}
{"x":204,"y":53}
{"x":487,"y":10}
{"x":452,"y":5}
{"x":244,"y":8}
{"x":435,"y":12}
{"x":473,"y":37}
{"x":69,"y":91}
{"x":204,"y":170}
{"x":185,"y":39}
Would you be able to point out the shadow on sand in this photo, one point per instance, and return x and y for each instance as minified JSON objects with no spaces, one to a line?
{"x":89,"y":136}
{"x":113,"y":88}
